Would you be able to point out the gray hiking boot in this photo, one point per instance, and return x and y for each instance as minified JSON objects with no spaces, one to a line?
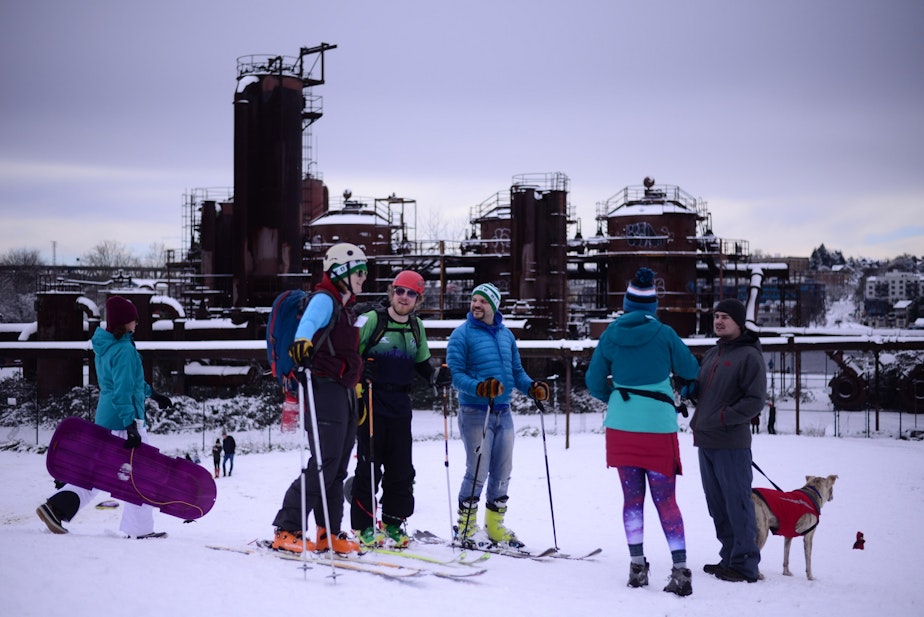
{"x":680,"y":583}
{"x":638,"y":574}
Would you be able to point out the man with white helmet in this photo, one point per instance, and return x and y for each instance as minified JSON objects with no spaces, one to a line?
{"x":335,"y":370}
{"x":393,"y":345}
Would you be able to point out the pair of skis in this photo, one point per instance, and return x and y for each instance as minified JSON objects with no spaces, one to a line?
{"x":459,"y":567}
{"x":427,"y":537}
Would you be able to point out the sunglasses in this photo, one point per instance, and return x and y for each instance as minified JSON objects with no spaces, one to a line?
{"x":400,"y":291}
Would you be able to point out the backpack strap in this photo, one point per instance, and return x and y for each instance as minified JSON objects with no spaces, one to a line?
{"x":381,"y":324}
{"x":326,"y":330}
{"x":658,"y":396}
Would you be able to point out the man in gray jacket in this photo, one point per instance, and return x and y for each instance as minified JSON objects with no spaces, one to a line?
{"x":732,"y":389}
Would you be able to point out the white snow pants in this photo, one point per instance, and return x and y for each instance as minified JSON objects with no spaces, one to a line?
{"x":136,"y":520}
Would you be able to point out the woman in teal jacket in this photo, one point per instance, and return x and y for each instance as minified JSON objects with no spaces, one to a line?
{"x":122,"y":391}
{"x":641,"y":353}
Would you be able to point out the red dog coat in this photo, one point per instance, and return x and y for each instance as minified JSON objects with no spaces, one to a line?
{"x":788,"y":508}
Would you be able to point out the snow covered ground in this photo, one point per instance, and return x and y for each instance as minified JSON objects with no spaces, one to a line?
{"x":880,"y":491}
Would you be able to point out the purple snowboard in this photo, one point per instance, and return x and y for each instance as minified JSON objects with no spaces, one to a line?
{"x":89,"y":456}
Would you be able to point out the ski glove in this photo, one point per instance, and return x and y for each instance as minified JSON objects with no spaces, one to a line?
{"x":301,"y":351}
{"x":688,"y":390}
{"x":369,"y":370}
{"x":490,"y":388}
{"x":162,"y":401}
{"x":539,"y":391}
{"x":443,"y":377}
{"x":133,"y":439}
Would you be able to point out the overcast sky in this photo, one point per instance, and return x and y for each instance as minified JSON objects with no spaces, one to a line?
{"x":799,"y":122}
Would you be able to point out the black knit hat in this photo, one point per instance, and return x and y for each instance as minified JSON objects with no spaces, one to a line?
{"x":735,"y":309}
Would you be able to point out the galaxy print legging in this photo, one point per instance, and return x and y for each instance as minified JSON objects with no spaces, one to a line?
{"x":662,"y":493}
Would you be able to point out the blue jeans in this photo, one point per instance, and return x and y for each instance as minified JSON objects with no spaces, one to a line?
{"x":229,"y":458}
{"x":494,"y":442}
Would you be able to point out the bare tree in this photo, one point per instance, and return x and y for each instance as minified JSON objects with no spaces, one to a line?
{"x":19,"y":269}
{"x":110,"y":254}
{"x":22,"y":257}
{"x":156,"y":255}
{"x":437,"y":227}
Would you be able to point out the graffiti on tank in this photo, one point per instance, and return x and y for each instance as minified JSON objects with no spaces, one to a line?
{"x":643,"y":235}
{"x":500,"y":243}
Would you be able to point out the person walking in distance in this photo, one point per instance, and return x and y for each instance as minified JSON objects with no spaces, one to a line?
{"x":216,"y":455}
{"x":731,"y":390}
{"x":228,"y":445}
{"x":335,"y":370}
{"x":485,"y":364}
{"x":122,"y":391}
{"x":393,"y":344}
{"x":640,"y":354}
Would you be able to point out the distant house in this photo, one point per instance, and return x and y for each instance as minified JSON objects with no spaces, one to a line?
{"x":900,"y":313}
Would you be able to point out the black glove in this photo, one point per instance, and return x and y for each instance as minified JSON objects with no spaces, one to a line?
{"x":301,"y":351}
{"x":133,"y":439}
{"x":490,"y":388}
{"x":443,"y":377}
{"x":368,"y":370}
{"x":539,"y":391}
{"x":162,"y":401}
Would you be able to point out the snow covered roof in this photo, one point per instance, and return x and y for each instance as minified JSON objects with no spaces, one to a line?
{"x":648,"y":210}
{"x":348,"y":218}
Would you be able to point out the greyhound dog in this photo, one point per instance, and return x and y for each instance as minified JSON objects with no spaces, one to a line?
{"x":792,"y":514}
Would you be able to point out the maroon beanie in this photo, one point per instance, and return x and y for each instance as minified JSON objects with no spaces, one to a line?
{"x":119,"y":312}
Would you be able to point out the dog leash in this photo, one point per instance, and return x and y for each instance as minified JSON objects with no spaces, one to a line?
{"x":754,"y":465}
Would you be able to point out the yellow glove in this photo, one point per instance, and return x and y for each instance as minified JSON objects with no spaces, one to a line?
{"x":301,"y":351}
{"x":489,"y":388}
{"x":539,"y":391}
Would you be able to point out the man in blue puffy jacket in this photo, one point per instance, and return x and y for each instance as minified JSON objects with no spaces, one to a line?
{"x":483,"y":358}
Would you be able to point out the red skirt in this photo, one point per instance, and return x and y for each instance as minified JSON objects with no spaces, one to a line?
{"x":658,"y":452}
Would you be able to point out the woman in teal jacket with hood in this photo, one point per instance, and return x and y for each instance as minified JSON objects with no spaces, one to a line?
{"x":641,"y":353}
{"x":122,"y":392}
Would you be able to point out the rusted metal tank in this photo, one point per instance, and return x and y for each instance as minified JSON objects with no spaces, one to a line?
{"x":60,"y":318}
{"x":538,"y":251}
{"x":266,"y":235}
{"x":654,"y":226}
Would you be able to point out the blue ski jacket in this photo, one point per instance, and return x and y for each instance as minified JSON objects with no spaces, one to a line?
{"x":477,"y":351}
{"x":122,"y":388}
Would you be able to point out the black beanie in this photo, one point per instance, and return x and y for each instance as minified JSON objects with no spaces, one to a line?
{"x":735,"y":309}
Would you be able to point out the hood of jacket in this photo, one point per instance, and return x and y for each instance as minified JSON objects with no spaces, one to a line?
{"x":636,"y":329}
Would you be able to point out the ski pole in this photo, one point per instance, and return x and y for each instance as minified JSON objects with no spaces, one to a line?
{"x":479,"y":452}
{"x":308,"y":393}
{"x":446,"y":443}
{"x":548,"y":478}
{"x":372,"y":483}
{"x":302,"y":446}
